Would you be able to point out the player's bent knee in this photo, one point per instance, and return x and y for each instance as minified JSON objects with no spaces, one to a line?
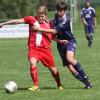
{"x":72,"y":61}
{"x":33,"y":61}
{"x":53,"y":69}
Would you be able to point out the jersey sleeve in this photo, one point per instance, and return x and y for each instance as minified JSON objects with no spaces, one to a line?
{"x":59,"y":28}
{"x":63,"y":25}
{"x":29,"y":20}
{"x":93,"y":14}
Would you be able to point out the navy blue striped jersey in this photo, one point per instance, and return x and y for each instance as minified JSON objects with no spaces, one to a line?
{"x":88,"y":14}
{"x":63,"y":28}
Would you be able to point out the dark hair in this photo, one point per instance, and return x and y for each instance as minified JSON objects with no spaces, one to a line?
{"x":61,"y":6}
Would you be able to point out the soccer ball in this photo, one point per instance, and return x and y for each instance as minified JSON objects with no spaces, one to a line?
{"x":10,"y":87}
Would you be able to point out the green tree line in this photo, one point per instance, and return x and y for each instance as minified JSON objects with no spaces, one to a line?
{"x":10,"y":9}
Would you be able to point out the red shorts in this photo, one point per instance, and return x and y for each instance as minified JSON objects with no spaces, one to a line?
{"x":42,"y":54}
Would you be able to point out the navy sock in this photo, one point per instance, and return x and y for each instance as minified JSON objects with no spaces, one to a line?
{"x":91,"y":37}
{"x":80,"y":78}
{"x":80,"y":70}
{"x":87,"y":38}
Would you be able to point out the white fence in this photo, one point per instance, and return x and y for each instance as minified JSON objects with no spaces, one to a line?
{"x":14,"y":31}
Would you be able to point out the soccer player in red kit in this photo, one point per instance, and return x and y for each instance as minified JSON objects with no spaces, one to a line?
{"x":39,"y":46}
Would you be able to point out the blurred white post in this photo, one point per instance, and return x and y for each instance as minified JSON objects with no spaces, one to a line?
{"x":75,"y":10}
{"x":71,"y":14}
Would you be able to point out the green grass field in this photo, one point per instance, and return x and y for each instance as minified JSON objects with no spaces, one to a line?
{"x":14,"y":66}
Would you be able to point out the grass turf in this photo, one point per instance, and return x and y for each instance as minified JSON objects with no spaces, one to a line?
{"x":14,"y":66}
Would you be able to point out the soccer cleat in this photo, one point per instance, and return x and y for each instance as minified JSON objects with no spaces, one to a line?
{"x":90,"y":44}
{"x":88,"y":87}
{"x":88,"y":83}
{"x":34,"y":88}
{"x":61,"y":87}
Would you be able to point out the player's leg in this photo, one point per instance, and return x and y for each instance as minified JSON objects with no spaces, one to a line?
{"x":87,"y":30}
{"x":56,"y":76}
{"x":90,"y":40}
{"x":70,"y":58}
{"x":91,"y":35}
{"x":70,"y":51}
{"x":77,"y":75}
{"x":74,"y":72}
{"x":77,"y":66}
{"x":87,"y":36}
{"x":48,"y":60}
{"x":33,"y":70}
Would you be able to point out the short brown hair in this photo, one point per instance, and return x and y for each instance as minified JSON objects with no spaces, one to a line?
{"x":61,"y":6}
{"x":42,"y":9}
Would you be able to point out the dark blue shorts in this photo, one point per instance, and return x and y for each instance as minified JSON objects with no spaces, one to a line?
{"x":89,"y":28}
{"x":71,"y":46}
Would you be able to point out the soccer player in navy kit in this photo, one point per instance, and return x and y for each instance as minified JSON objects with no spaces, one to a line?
{"x":89,"y":20}
{"x":66,"y":43}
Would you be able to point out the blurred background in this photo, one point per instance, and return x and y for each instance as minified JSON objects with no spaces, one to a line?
{"x":14,"y":9}
{"x":10,"y":9}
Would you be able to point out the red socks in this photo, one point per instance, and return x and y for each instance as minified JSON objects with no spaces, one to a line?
{"x":57,"y":78}
{"x":34,"y":75}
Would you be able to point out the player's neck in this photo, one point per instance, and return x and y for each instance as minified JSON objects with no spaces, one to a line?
{"x":62,"y":16}
{"x":88,"y":7}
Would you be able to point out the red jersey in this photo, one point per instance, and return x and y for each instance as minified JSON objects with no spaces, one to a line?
{"x":40,"y":39}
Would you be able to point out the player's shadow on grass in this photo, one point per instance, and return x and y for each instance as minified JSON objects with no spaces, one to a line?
{"x":41,"y":88}
{"x":2,"y":89}
{"x":74,"y":88}
{"x":47,"y":88}
{"x":44,"y":88}
{"x":23,"y":88}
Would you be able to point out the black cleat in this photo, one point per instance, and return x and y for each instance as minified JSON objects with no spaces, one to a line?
{"x":90,"y":44}
{"x":88,"y":87}
{"x":88,"y":83}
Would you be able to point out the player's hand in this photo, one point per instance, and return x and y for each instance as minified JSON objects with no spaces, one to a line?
{"x":52,"y":23}
{"x":86,"y":23}
{"x":1,"y":25}
{"x":63,"y":42}
{"x":36,"y":28}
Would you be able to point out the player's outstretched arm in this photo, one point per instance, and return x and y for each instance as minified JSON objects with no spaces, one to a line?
{"x":84,"y":22}
{"x":10,"y":22}
{"x":49,"y":31}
